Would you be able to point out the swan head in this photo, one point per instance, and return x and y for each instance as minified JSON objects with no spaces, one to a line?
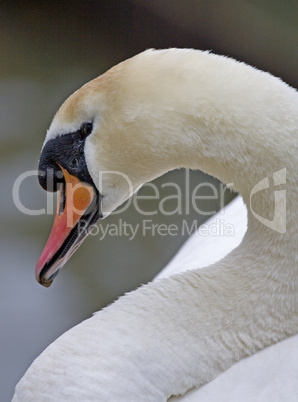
{"x":160,"y":110}
{"x":102,"y":145}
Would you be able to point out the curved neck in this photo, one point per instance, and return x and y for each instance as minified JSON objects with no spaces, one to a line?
{"x":193,"y":326}
{"x":201,"y":111}
{"x":240,"y":125}
{"x":244,"y":132}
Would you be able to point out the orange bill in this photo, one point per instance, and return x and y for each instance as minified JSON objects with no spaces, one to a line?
{"x":77,"y":209}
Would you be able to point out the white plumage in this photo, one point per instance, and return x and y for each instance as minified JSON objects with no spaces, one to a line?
{"x":270,"y":375}
{"x":183,"y":108}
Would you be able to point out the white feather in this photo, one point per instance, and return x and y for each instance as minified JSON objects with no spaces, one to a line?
{"x":184,"y":108}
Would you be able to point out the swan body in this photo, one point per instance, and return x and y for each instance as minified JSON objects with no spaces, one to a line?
{"x":267,"y":376}
{"x":200,"y":250}
{"x":270,"y":374}
{"x":155,"y":112}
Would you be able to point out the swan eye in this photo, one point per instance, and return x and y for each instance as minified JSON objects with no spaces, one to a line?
{"x":74,"y":163}
{"x":86,"y":129}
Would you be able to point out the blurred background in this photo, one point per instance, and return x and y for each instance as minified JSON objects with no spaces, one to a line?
{"x":50,"y":48}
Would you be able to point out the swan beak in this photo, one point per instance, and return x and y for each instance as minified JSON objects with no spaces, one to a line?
{"x":77,"y":210}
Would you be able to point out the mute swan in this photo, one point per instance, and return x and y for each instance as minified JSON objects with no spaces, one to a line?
{"x":152,"y":113}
